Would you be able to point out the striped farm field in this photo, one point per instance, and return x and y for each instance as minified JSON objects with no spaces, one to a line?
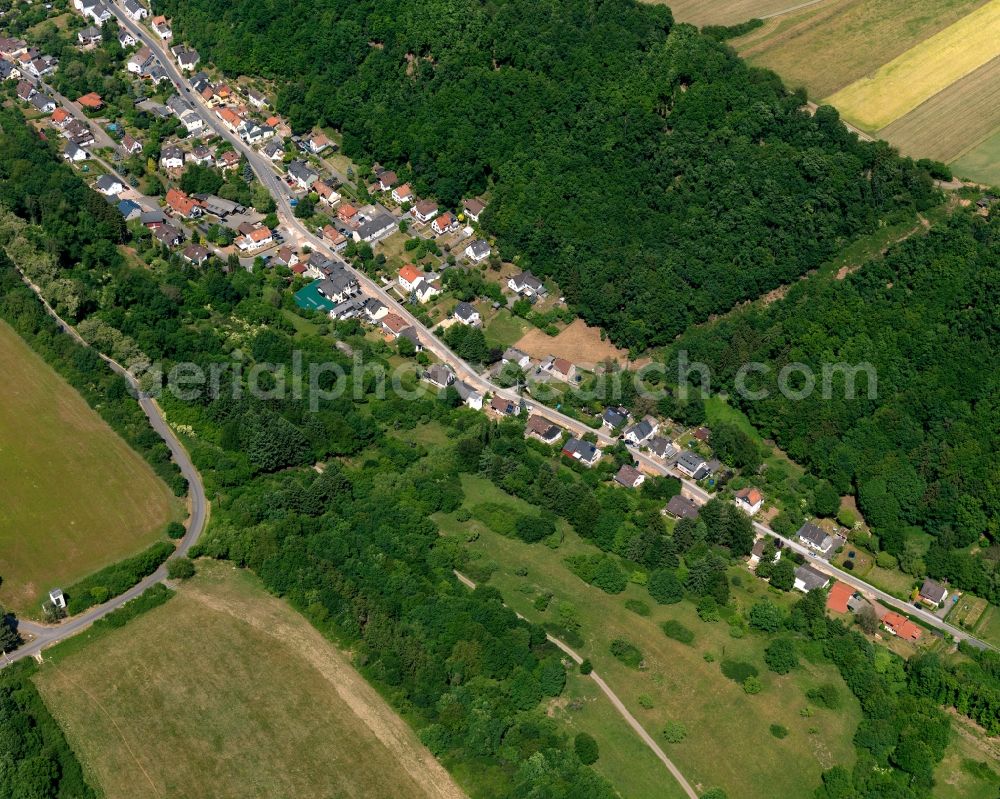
{"x":829,"y":45}
{"x":723,"y":12}
{"x":914,"y":77}
{"x":954,"y":120}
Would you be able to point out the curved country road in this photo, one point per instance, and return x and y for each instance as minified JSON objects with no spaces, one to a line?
{"x":47,"y":634}
{"x":616,"y":702}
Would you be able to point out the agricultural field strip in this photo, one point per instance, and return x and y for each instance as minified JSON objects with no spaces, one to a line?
{"x":922,"y":71}
{"x":953,"y":121}
{"x":728,"y":12}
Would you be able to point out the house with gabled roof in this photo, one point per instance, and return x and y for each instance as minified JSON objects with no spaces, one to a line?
{"x":183,"y":205}
{"x":136,"y":10}
{"x":466,"y":313}
{"x":933,"y":593}
{"x":629,"y":476}
{"x":425,"y":210}
{"x":691,"y":464}
{"x":526,"y":285}
{"x":472,"y":398}
{"x":162,"y":28}
{"x":473,"y":208}
{"x":504,"y":407}
{"x":403,"y":194}
{"x":815,"y":538}
{"x":582,"y":451}
{"x":478,"y":251}
{"x":640,"y":432}
{"x":809,"y":579}
{"x":541,"y":428}
{"x":439,"y":375}
{"x":681,"y":507}
{"x":749,"y":500}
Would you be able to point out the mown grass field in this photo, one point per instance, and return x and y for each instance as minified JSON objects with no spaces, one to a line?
{"x":678,"y":684}
{"x":954,"y":120}
{"x":971,"y":765}
{"x":225,"y":691}
{"x":900,"y":85}
{"x":981,"y":162}
{"x":76,"y":497}
{"x":829,"y":45}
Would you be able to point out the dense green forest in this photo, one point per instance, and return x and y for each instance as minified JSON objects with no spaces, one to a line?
{"x":354,"y":548}
{"x":656,"y":176}
{"x":923,"y":453}
{"x":35,"y":759}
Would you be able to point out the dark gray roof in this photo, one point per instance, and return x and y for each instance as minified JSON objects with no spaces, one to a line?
{"x":615,"y":417}
{"x":439,"y":374}
{"x":465,"y":310}
{"x":691,"y":461}
{"x":682,"y":507}
{"x":933,"y":591}
{"x":465,"y":390}
{"x":528,"y":279}
{"x":662,"y":447}
{"x":107,"y":182}
{"x":640,"y":430}
{"x":815,"y":535}
{"x":584,"y":450}
{"x":480,"y":249}
{"x":376,"y":227}
{"x":302,"y":171}
{"x":810,"y":577}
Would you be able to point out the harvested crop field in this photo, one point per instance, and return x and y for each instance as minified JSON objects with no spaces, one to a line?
{"x":910,"y":79}
{"x":953,"y":121}
{"x":723,"y":12}
{"x":578,"y":343}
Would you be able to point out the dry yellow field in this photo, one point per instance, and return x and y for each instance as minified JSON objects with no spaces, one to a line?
{"x":953,"y":121}
{"x":922,"y":71}
{"x":724,"y":12}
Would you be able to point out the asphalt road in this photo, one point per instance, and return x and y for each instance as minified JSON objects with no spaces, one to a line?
{"x":265,"y":171}
{"x":44,"y":635}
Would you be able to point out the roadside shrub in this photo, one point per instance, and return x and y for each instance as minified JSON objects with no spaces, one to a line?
{"x":626,"y":652}
{"x":180,"y":569}
{"x":778,"y":731}
{"x":738,"y":670}
{"x":674,"y":629}
{"x":638,"y":607}
{"x":586,"y":666}
{"x":531,"y":529}
{"x":586,"y":748}
{"x":116,"y":579}
{"x":175,"y":530}
{"x":714,"y":793}
{"x":674,"y":732}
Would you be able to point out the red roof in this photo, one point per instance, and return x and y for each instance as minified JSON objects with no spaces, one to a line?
{"x":443,"y":221}
{"x":395,"y":323}
{"x":346,"y":211}
{"x":409,"y":273}
{"x":902,"y":626}
{"x":298,"y":268}
{"x":751,"y":495}
{"x":59,"y":115}
{"x":837,"y":599}
{"x":260,"y":234}
{"x":180,"y":202}
{"x":91,"y":100}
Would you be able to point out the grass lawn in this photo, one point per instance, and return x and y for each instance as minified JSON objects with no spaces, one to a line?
{"x":892,"y":581}
{"x":899,"y":86}
{"x":225,"y":691}
{"x":505,"y":328}
{"x":302,"y":326}
{"x":678,"y":683}
{"x":982,"y":163}
{"x":77,"y":497}
{"x":961,"y":774}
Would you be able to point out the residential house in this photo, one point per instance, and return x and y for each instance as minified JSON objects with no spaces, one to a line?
{"x":200,"y":82}
{"x":527,"y":285}
{"x":285,"y":256}
{"x":815,"y":538}
{"x":161,"y":27}
{"x":171,"y":157}
{"x":394,"y":324}
{"x":202,"y":156}
{"x":57,"y":598}
{"x":40,"y":66}
{"x":183,"y":205}
{"x":380,"y":226}
{"x":681,"y":507}
{"x":640,"y":432}
{"x":125,"y":39}
{"x":403,"y":194}
{"x":337,"y":239}
{"x":195,"y":254}
{"x":583,"y":451}
{"x":466,"y":313}
{"x":326,"y":192}
{"x":303,"y":174}
{"x":515,"y":356}
{"x":317,"y":143}
{"x":443,"y":223}
{"x":252,"y":133}
{"x":339,"y":286}
{"x":541,"y":428}
{"x":473,"y":208}
{"x":192,"y":121}
{"x":140,"y":61}
{"x":256,"y":239}
{"x":26,"y":90}
{"x":152,"y":219}
{"x":135,"y":9}
{"x":702,"y":434}
{"x":98,"y":12}
{"x":425,"y":210}
{"x":933,"y":593}
{"x":81,"y":135}
{"x":60,"y":117}
{"x":375,"y":310}
{"x":347,"y":214}
{"x":8,"y":71}
{"x":898,"y":625}
{"x":662,"y":448}
{"x":478,"y":251}
{"x":89,"y":36}
{"x":274,"y":149}
{"x":839,"y":598}
{"x":559,"y":367}
{"x":109,"y":185}
{"x":131,"y":145}
{"x":749,"y":500}
{"x":387,"y":179}
{"x":691,"y":464}
{"x":439,"y":375}
{"x":168,"y":235}
{"x":613,"y":418}
{"x":504,"y":407}
{"x":472,"y":398}
{"x":12,"y":48}
{"x":230,"y":159}
{"x":74,"y":154}
{"x":409,"y":278}
{"x":92,"y":101}
{"x":411,"y":335}
{"x":809,"y":579}
{"x":257,"y":100}
{"x":630,"y":477}
{"x":229,"y":119}
{"x":758,"y":552}
{"x":43,"y":103}
{"x":187,"y":57}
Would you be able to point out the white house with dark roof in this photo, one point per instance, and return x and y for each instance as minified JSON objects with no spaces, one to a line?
{"x":527,"y":285}
{"x":466,"y":313}
{"x":815,"y":538}
{"x":478,"y":251}
{"x":809,"y":579}
{"x":641,"y":431}
{"x":691,"y":464}
{"x":583,"y":451}
{"x":933,"y":593}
